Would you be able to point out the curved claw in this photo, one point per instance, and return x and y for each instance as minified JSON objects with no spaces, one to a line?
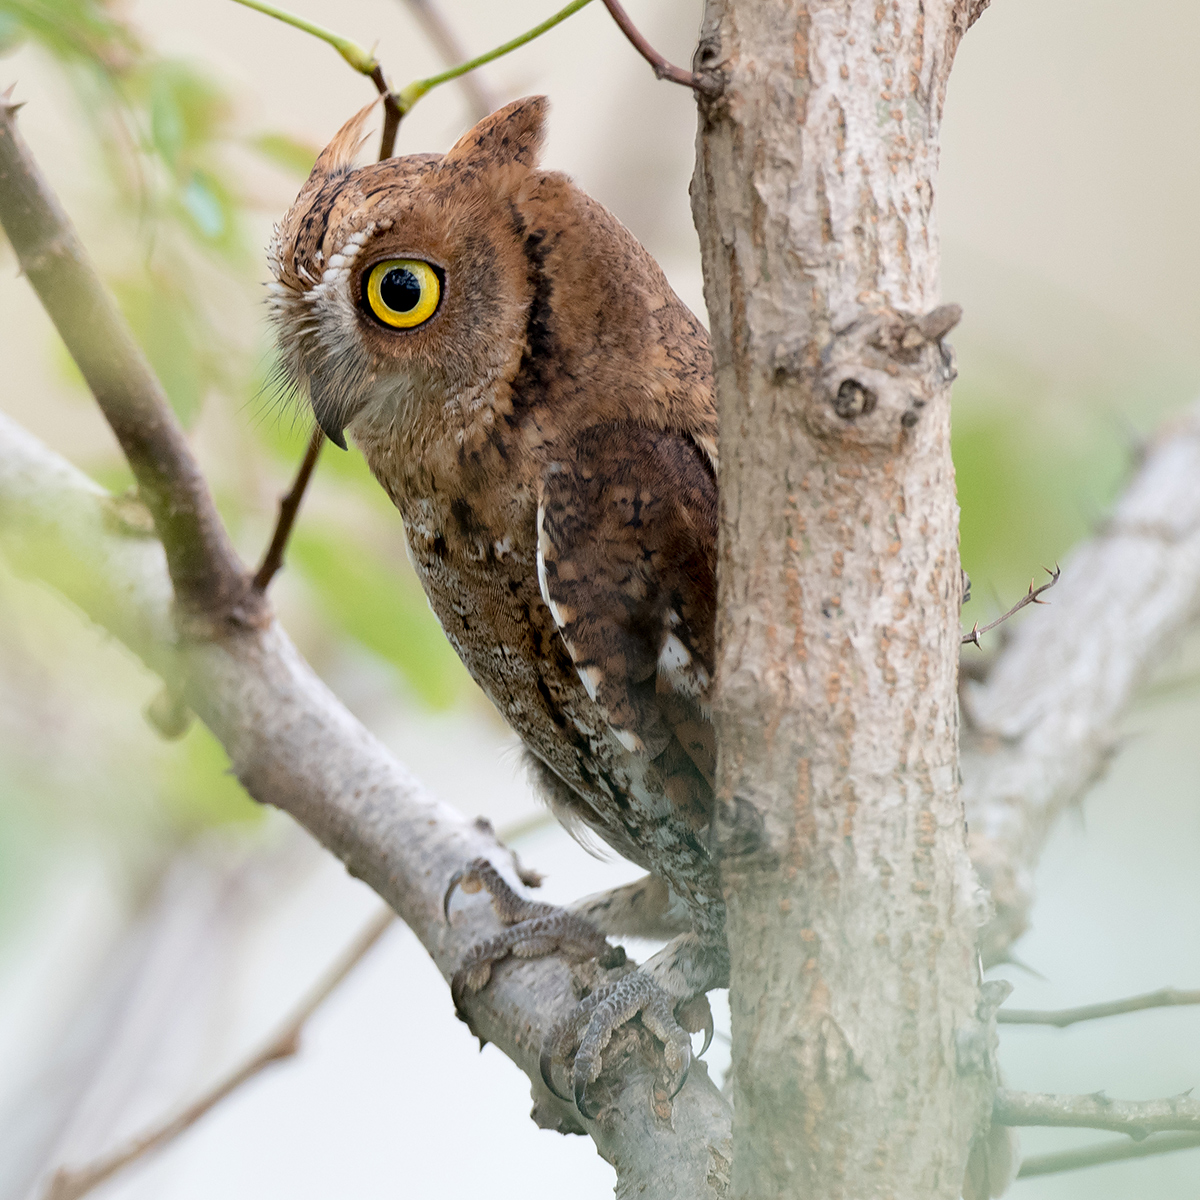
{"x":687,"y":1066}
{"x":455,"y":880}
{"x":546,"y":1063}
{"x":708,"y":1036}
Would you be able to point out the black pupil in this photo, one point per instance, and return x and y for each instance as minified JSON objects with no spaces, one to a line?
{"x":399,"y":290}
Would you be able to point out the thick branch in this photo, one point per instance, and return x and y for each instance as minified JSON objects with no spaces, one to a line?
{"x":1061,"y":1018}
{"x":852,"y":923}
{"x":293,"y":744}
{"x":208,"y":577}
{"x":1138,"y":1118}
{"x":1043,"y":726}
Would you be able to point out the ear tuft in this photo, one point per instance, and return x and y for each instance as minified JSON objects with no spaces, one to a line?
{"x":341,"y":152}
{"x":512,"y":135}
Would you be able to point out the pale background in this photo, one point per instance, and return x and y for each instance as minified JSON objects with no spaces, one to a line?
{"x":1067,"y":205}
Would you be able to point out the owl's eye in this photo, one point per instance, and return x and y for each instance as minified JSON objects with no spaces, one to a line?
{"x":403,"y":292}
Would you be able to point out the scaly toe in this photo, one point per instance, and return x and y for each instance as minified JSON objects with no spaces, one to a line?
{"x":599,"y":1016}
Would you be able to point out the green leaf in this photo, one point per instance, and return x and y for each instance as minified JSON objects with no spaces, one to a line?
{"x":382,"y":606}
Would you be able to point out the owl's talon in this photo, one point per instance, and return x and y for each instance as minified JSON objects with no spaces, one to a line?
{"x":534,"y":930}
{"x":588,"y":1030}
{"x":455,"y":880}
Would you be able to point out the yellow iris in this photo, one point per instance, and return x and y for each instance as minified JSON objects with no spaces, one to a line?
{"x":403,"y":292}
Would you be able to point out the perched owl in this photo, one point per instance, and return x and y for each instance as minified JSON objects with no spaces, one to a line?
{"x":538,"y":403}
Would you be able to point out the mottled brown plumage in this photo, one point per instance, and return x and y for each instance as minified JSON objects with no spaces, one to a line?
{"x":549,"y":438}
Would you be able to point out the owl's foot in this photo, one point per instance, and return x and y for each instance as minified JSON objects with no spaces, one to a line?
{"x":588,"y":1030}
{"x":534,"y":930}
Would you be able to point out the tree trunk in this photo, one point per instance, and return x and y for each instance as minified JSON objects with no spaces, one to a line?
{"x":861,"y":1066}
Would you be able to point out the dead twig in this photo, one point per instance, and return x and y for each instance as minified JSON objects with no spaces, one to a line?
{"x":209,"y":580}
{"x":1031,"y":597}
{"x":1106,"y":1152}
{"x":1061,"y":1018}
{"x":1138,"y":1118}
{"x":289,"y":506}
{"x":70,"y":1184}
{"x":662,"y":68}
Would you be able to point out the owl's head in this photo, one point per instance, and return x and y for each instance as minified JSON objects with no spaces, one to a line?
{"x":403,"y":282}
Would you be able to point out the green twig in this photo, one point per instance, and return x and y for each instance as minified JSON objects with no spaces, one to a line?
{"x":361,"y":60}
{"x":408,"y":96}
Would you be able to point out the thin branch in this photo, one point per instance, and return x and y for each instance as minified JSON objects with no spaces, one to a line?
{"x":662,"y":68}
{"x":409,"y":95}
{"x":391,"y":114}
{"x":450,"y":49}
{"x":1061,"y":1018}
{"x":1033,"y":596}
{"x":70,"y":1184}
{"x":363,"y":61}
{"x":1106,"y":1152}
{"x":289,"y":506}
{"x":1138,"y":1118}
{"x":292,"y":744}
{"x":209,"y":580}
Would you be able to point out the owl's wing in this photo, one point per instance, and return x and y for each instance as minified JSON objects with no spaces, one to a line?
{"x":627,"y":535}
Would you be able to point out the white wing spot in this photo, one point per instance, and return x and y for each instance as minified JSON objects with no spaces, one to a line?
{"x":591,"y":678}
{"x":674,"y":656}
{"x":630,"y":740}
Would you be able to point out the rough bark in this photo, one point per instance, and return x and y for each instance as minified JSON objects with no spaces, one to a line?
{"x":294,"y":745}
{"x":853,"y":912}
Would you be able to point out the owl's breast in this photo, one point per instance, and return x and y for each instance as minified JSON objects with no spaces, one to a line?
{"x":478,"y":565}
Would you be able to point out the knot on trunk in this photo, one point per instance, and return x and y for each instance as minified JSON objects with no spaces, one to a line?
{"x":878,"y":374}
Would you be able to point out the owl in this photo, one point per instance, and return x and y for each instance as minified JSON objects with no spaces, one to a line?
{"x":538,"y":404}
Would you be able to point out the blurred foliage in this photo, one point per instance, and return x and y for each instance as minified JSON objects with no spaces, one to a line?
{"x":165,"y":167}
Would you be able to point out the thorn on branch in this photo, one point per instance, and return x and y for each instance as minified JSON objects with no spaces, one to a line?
{"x":1033,"y":596}
{"x":10,"y":109}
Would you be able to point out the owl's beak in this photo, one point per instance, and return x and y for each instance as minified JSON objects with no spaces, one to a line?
{"x":332,"y":428}
{"x":331,"y":417}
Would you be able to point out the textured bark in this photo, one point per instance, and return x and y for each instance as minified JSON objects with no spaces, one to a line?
{"x":294,"y":745}
{"x":860,"y":1065}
